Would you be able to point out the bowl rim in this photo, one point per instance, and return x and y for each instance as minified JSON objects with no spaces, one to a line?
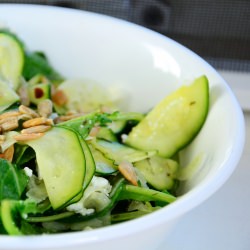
{"x":162,"y":216}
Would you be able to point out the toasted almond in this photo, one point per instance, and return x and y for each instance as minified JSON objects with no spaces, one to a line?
{"x":49,"y":122}
{"x":8,"y":114}
{"x":59,"y":97}
{"x":24,"y":95}
{"x":34,"y":122}
{"x":64,"y":118}
{"x":27,"y":137}
{"x":8,"y":141}
{"x":26,"y":110}
{"x":45,"y":108}
{"x":10,"y":124}
{"x":24,"y":117}
{"x":8,"y":119}
{"x":94,"y":131}
{"x":8,"y":153}
{"x":36,"y":129}
{"x":128,"y":171}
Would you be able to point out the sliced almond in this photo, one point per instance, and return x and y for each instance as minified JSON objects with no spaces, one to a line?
{"x":24,"y":117}
{"x":94,"y":131}
{"x":128,"y":171}
{"x":34,"y":122}
{"x":10,"y":124}
{"x":9,"y":114}
{"x":24,"y":95}
{"x":36,"y":129}
{"x":64,"y":118}
{"x":27,"y":137}
{"x":26,"y":110}
{"x":45,"y":108}
{"x":8,"y":153}
{"x":49,"y":122}
{"x":59,"y":97}
{"x":8,"y":119}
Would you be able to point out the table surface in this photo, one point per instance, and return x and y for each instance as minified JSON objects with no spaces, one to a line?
{"x":223,"y":221}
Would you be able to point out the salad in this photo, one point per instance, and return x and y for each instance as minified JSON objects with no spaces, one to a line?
{"x":71,"y":160}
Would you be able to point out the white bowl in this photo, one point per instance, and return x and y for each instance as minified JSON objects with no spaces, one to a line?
{"x":147,"y":66}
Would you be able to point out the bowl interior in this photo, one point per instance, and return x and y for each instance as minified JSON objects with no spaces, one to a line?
{"x":144,"y":67}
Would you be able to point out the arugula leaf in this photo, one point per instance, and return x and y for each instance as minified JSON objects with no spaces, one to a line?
{"x":30,"y":229}
{"x":23,"y":154}
{"x":12,"y":181}
{"x":37,"y":63}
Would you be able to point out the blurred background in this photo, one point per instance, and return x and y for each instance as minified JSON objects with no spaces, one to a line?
{"x":218,"y":31}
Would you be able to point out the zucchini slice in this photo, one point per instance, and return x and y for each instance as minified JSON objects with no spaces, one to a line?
{"x":11,"y":59}
{"x":90,"y":163}
{"x":174,"y":122}
{"x":90,"y":168}
{"x":86,"y":95}
{"x":7,"y":211}
{"x":39,"y":92}
{"x":7,"y":95}
{"x":159,"y":172}
{"x":118,"y":152}
{"x":61,"y":164}
{"x":106,"y":134}
{"x":104,"y":166}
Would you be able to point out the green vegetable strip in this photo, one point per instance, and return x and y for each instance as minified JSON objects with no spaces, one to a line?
{"x":144,"y":194}
{"x":128,"y":215}
{"x":50,"y":217}
{"x":7,"y":212}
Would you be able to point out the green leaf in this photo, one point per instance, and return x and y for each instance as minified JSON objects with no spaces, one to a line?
{"x":13,"y":214}
{"x":37,"y":63}
{"x":23,"y":154}
{"x":12,"y":181}
{"x":30,"y":229}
